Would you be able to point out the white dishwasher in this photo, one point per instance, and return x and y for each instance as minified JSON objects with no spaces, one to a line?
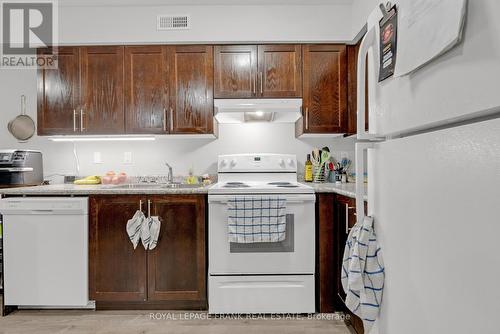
{"x":45,"y":251}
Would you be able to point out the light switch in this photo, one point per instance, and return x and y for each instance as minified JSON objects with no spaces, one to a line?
{"x":97,"y":158}
{"x":127,"y":157}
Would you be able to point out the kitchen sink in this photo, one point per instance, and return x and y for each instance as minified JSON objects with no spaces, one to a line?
{"x":158,"y":186}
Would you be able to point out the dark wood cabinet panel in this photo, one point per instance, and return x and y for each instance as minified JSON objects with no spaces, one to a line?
{"x":102,"y":90}
{"x":59,"y":94}
{"x":146,"y":89}
{"x":171,"y":276}
{"x":345,"y":219}
{"x":324,"y":88}
{"x":177,"y":266}
{"x":117,"y":272}
{"x":190,"y":89}
{"x":235,"y":71}
{"x":280,"y":70}
{"x":335,"y":217}
{"x":326,"y":253}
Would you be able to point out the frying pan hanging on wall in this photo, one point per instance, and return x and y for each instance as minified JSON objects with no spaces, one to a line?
{"x":22,"y":127}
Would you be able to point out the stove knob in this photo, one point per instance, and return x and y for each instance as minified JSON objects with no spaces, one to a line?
{"x":233,"y":163}
{"x":291,"y":162}
{"x":223,"y":163}
{"x":282,"y":163}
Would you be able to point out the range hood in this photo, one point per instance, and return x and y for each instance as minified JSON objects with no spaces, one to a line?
{"x":257,"y":110}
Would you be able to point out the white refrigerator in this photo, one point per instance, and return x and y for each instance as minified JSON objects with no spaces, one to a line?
{"x":434,"y":183}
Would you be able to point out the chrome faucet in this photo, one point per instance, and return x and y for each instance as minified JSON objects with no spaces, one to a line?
{"x":170,"y":178}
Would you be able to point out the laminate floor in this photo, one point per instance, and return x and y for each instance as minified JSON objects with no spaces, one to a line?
{"x":152,"y":322}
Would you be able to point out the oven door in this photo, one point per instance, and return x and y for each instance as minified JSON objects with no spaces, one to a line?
{"x":294,"y":255}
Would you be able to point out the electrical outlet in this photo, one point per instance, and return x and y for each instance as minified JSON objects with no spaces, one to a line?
{"x":127,"y":157}
{"x":97,"y":158}
{"x":343,"y":155}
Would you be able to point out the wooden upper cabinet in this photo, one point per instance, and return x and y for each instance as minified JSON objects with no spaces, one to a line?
{"x":58,"y":94}
{"x":102,"y":90}
{"x":117,"y":272}
{"x":280,"y":70}
{"x":324,"y":89}
{"x":190,"y":89}
{"x":177,"y":266}
{"x":235,"y":71}
{"x":250,"y":71}
{"x":146,"y":89}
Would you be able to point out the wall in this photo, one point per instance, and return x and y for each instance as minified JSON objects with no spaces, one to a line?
{"x":131,"y":25}
{"x":148,"y":157}
{"x":90,"y":25}
{"x":360,"y":11}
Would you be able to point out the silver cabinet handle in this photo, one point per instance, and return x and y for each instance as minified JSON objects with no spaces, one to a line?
{"x":347,"y":208}
{"x":307,"y":118}
{"x":165,"y":119}
{"x":254,"y":84}
{"x":149,"y":208}
{"x":261,"y":84}
{"x":171,"y":119}
{"x":74,"y":120}
{"x":81,"y":120}
{"x":140,"y":205}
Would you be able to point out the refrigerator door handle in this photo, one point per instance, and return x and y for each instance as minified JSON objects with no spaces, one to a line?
{"x":361,"y":147}
{"x":369,"y":42}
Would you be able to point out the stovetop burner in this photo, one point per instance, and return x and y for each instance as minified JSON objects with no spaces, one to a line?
{"x":287,"y":185}
{"x":236,"y":185}
{"x":279,"y":183}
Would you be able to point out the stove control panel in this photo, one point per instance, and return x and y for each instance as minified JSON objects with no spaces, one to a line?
{"x":255,"y":163}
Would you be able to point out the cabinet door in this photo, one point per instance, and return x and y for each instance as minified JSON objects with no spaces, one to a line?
{"x":102,"y":90}
{"x":117,"y":272}
{"x":345,"y":209}
{"x":146,"y":89}
{"x":280,"y":70}
{"x":327,"y":248}
{"x":177,"y":266}
{"x":235,"y":71}
{"x":191,"y":89}
{"x":58,"y":94}
{"x":325,"y":88}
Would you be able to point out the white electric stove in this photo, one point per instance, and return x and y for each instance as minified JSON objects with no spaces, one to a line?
{"x":263,"y":277}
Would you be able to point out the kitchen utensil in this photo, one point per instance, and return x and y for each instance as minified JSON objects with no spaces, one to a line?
{"x":325,"y":157}
{"x":22,"y":127}
{"x":316,"y":157}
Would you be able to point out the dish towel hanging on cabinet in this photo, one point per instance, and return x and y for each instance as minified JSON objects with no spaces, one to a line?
{"x":134,"y":227}
{"x":146,"y":230}
{"x":256,"y":219}
{"x":363,"y":273}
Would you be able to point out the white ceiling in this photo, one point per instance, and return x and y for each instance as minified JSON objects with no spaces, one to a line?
{"x":198,"y":2}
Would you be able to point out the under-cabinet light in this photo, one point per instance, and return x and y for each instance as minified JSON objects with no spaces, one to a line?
{"x":100,"y":138}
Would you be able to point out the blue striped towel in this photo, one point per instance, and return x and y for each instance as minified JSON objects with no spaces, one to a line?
{"x":363,"y":273}
{"x":256,"y":219}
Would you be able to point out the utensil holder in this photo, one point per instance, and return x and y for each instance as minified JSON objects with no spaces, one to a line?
{"x":319,"y":174}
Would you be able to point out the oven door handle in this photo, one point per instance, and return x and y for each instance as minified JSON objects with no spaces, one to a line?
{"x":16,"y":169}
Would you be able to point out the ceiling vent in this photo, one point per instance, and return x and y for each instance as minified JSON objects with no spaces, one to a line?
{"x":173,"y":22}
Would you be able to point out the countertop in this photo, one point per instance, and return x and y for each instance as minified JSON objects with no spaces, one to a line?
{"x":345,"y":189}
{"x":71,"y":189}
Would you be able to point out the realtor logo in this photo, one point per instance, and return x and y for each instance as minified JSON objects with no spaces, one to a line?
{"x":26,"y":27}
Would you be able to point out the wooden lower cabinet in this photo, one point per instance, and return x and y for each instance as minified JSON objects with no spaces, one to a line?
{"x":176,"y":267}
{"x":172,"y":276}
{"x":335,"y":217}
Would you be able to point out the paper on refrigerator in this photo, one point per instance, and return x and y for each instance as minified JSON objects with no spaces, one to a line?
{"x":426,"y":30}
